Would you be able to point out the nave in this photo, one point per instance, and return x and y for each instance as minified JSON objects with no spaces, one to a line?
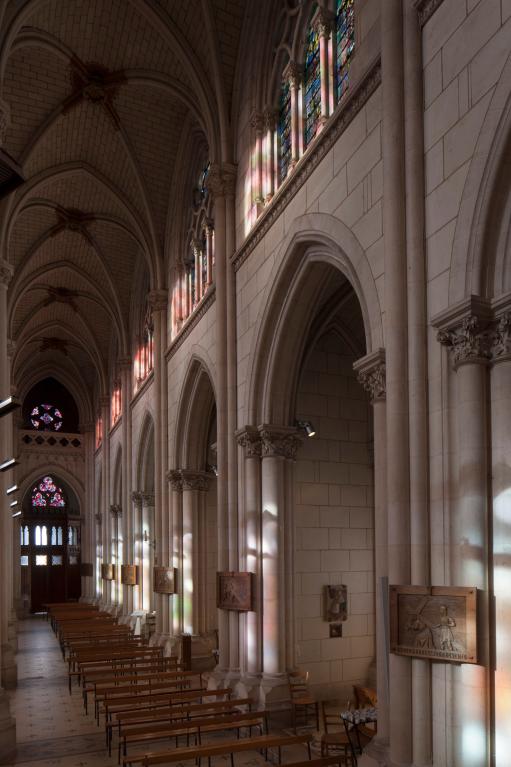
{"x":52,"y":727}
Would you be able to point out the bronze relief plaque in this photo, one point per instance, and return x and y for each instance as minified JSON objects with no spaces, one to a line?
{"x":129,"y":575}
{"x":437,"y":622}
{"x":165,"y":580}
{"x":108,"y":572}
{"x":234,"y":591}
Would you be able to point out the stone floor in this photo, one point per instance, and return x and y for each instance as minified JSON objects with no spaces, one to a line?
{"x":52,"y":727}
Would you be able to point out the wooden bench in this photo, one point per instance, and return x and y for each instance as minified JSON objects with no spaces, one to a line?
{"x":197,"y":727}
{"x":227,"y":747}
{"x":92,"y":670}
{"x":177,"y":711}
{"x":113,"y":660}
{"x":111,"y":694}
{"x":153,"y":700}
{"x":101,"y":683}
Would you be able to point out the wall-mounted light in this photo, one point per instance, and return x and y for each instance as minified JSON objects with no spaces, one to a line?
{"x":13,"y":504}
{"x":9,"y":463}
{"x":11,"y":489}
{"x":307,"y":427}
{"x":16,"y":514}
{"x":8,"y":405}
{"x":212,"y":469}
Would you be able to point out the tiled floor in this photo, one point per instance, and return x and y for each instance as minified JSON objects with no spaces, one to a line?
{"x":52,"y":727}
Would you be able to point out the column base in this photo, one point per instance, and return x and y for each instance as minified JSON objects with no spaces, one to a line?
{"x":378,"y":752}
{"x":7,"y":731}
{"x":9,"y":668}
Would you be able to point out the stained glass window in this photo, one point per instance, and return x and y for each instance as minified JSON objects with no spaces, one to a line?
{"x":312,"y":85}
{"x":344,"y":43}
{"x":41,"y":536}
{"x":46,"y":493}
{"x":24,"y":560}
{"x":46,"y":417}
{"x":56,"y":559}
{"x":284,"y":129}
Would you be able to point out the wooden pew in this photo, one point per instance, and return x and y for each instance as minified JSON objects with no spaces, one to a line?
{"x":159,"y":699}
{"x":97,"y":686}
{"x":109,"y":695}
{"x":121,"y":667}
{"x":178,"y":711}
{"x":197,"y":727}
{"x":226,"y":747}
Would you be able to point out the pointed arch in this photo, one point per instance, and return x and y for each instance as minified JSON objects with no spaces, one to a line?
{"x":194,"y":413}
{"x":145,"y":472}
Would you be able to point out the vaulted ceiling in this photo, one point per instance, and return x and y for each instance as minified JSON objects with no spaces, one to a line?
{"x":102,"y":97}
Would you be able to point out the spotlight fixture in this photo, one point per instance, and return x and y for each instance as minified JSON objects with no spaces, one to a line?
{"x":212,"y":468}
{"x":307,"y":427}
{"x":9,"y":463}
{"x":16,"y":514}
{"x":13,"y":504}
{"x":8,"y":405}
{"x":11,"y":489}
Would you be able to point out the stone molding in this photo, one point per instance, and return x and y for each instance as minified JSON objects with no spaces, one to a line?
{"x":279,"y":441}
{"x":343,"y":115}
{"x":250,"y":440}
{"x":371,"y":374}
{"x":188,"y":479}
{"x":425,"y":9}
{"x":116,"y":510}
{"x":207,"y":301}
{"x":158,"y":300}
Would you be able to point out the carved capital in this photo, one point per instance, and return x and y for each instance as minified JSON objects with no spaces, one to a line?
{"x":371,"y":375}
{"x":98,"y":517}
{"x":147,"y":499}
{"x":279,"y":442}
{"x":6,"y":272}
{"x":158,"y":300}
{"x":250,"y":439}
{"x":116,"y":510}
{"x":293,"y":73}
{"x":221,"y":180}
{"x":323,"y":22}
{"x":5,"y":120}
{"x":257,"y":121}
{"x":136,"y":497}
{"x":195,"y":480}
{"x":175,"y":480}
{"x":501,"y":338}
{"x":271,"y":118}
{"x":123,"y":364}
{"x":470,"y":342}
{"x":104,"y":400}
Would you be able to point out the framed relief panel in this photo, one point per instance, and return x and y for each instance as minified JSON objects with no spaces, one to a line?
{"x":165,"y":580}
{"x":129,"y":575}
{"x":336,"y":603}
{"x":437,"y":622}
{"x":234,"y":591}
{"x":108,"y":572}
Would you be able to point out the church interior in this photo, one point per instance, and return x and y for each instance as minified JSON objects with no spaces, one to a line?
{"x":255,"y":383}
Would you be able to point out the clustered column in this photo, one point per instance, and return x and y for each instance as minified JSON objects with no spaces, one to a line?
{"x":133,"y":551}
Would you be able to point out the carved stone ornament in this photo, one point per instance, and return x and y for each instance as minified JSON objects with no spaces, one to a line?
{"x":158,"y":300}
{"x":136,"y":497}
{"x":6,"y":272}
{"x":293,"y":73}
{"x":271,"y":118}
{"x":194,"y":480}
{"x":374,"y":382}
{"x":501,"y":338}
{"x":470,"y":343}
{"x":257,"y":121}
{"x":98,"y":518}
{"x":175,"y":479}
{"x":116,"y":510}
{"x":279,"y":442}
{"x":221,"y":180}
{"x":323,"y":22}
{"x":250,"y":439}
{"x":148,"y":499}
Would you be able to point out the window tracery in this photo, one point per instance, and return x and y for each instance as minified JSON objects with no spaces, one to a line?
{"x":116,"y":403}
{"x":99,"y":430}
{"x":144,"y":357}
{"x":312,"y":84}
{"x":46,"y":417}
{"x":284,"y":129}
{"x":46,"y":493}
{"x":344,"y":43}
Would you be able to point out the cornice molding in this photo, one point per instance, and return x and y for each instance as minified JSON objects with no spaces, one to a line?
{"x":191,"y":322}
{"x":334,"y":128}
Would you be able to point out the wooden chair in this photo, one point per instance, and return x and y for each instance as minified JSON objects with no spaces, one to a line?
{"x":301,"y":698}
{"x":335,"y":736}
{"x":365,"y":697}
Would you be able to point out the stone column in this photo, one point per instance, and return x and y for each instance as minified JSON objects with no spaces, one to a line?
{"x":124,"y":365}
{"x":464,"y":335}
{"x":249,"y":440}
{"x":257,"y":123}
{"x":158,"y":301}
{"x":400,"y":726}
{"x":176,"y":559}
{"x":196,"y":245}
{"x":99,"y":584}
{"x":323,"y":22}
{"x":134,"y":549}
{"x":116,"y":517}
{"x":500,"y":378}
{"x":209,"y":254}
{"x":271,"y":118}
{"x":195,"y":484}
{"x":148,"y":553}
{"x":87,"y":513}
{"x":371,"y":375}
{"x":293,"y":72}
{"x":279,"y":445}
{"x":104,"y":402}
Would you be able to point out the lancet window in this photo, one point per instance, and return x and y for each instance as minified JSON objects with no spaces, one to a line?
{"x":116,"y":403}
{"x":285,"y":147}
{"x":312,"y":84}
{"x":344,"y":43}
